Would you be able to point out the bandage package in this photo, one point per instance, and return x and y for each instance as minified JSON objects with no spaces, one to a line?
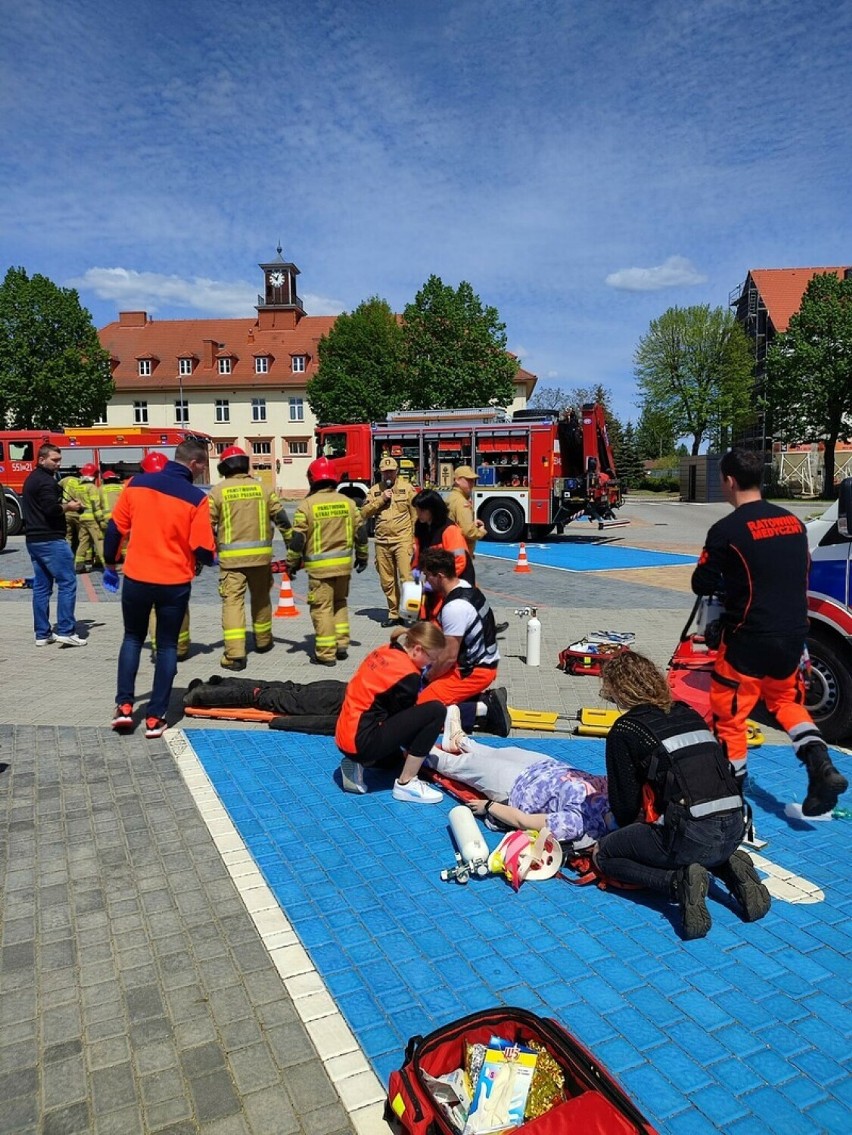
{"x":501,"y":1091}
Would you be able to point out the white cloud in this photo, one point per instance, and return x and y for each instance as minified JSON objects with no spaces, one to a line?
{"x":129,"y":289}
{"x":676,"y":272}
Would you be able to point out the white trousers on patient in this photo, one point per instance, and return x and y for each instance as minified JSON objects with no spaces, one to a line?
{"x":490,"y":771}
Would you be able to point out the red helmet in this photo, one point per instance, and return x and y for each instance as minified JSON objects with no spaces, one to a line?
{"x":109,"y":475}
{"x":153,"y":462}
{"x":322,"y":470}
{"x":89,"y":470}
{"x":233,"y":460}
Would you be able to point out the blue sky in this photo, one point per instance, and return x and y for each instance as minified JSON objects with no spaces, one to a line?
{"x":584,"y":165}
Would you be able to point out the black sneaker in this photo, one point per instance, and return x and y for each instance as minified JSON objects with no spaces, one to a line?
{"x":690,"y":887}
{"x":742,"y":880}
{"x":825,"y":783}
{"x":498,"y":719}
{"x":501,"y":628}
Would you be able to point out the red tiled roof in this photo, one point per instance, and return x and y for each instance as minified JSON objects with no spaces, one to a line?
{"x":781,"y":290}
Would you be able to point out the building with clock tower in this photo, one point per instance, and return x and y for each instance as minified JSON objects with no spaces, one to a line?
{"x":243,"y":381}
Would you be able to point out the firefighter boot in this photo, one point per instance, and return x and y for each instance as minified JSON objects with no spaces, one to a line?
{"x":743,"y":881}
{"x":825,"y":783}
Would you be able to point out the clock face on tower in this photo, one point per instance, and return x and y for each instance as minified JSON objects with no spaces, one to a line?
{"x":276,"y":279}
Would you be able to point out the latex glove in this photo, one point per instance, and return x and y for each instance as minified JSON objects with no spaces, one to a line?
{"x":110,"y":580}
{"x":360,"y":566}
{"x":415,"y":575}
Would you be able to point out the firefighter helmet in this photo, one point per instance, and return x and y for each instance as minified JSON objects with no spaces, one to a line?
{"x":322,"y":470}
{"x":233,"y":460}
{"x":153,"y":462}
{"x":109,"y":475}
{"x":89,"y":470}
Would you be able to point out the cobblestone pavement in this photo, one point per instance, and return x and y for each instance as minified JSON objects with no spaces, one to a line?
{"x":136,"y":994}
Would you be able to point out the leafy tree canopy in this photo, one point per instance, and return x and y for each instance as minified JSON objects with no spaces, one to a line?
{"x":695,"y":367}
{"x":360,"y":362}
{"x":53,"y":370}
{"x":455,"y":350}
{"x":655,"y":436}
{"x":809,"y":369}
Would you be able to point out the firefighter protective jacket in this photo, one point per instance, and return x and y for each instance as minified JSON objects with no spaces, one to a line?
{"x":109,"y":495}
{"x":460,"y":511}
{"x":242,"y":513}
{"x":327,"y":528}
{"x":395,"y":518}
{"x":89,"y":495}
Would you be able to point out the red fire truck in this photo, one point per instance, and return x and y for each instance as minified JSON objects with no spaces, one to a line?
{"x":120,"y":450}
{"x":537,"y":470}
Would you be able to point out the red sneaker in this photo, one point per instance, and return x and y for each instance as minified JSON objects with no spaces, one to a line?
{"x":123,"y":717}
{"x":155,"y":727}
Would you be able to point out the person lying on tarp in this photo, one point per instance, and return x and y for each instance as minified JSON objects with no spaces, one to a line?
{"x":675,"y":799}
{"x":522,"y":788}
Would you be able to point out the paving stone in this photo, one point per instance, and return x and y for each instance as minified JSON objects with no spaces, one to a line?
{"x":199,"y":1061}
{"x":70,"y":1120}
{"x":126,"y":1121}
{"x":310,"y":1088}
{"x":112,"y":1087}
{"x":62,"y":1051}
{"x":271,"y":1110}
{"x":18,"y":1082}
{"x":328,"y":1120}
{"x":64,"y":1082}
{"x":253,"y":1069}
{"x":214,"y":1096}
{"x":165,"y":1084}
{"x":151,"y":1031}
{"x":109,"y":1052}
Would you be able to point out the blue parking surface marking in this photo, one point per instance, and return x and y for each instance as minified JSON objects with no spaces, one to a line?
{"x":573,"y":554}
{"x":747,"y":1030}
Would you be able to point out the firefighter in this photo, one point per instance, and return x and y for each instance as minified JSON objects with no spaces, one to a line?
{"x":155,"y":462}
{"x":111,"y":489}
{"x":242,"y":513}
{"x":675,"y":798}
{"x":460,"y":506}
{"x":389,"y":502}
{"x":70,"y":486}
{"x":327,"y":529}
{"x":90,"y":548}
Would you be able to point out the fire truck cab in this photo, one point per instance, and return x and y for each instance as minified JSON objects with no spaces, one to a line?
{"x":537,"y":470}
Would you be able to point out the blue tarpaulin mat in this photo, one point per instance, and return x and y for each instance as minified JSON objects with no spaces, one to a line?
{"x":584,"y":555}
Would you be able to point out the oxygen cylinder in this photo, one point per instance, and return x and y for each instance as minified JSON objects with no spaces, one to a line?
{"x":468,"y":838}
{"x":534,"y":640}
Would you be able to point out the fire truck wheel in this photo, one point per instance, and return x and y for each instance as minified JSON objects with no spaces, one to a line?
{"x":829,"y":696}
{"x":504,"y":521}
{"x":14,"y":518}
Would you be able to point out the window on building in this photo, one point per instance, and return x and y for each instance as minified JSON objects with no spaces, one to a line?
{"x":258,"y":409}
{"x":297,"y":448}
{"x":184,"y":366}
{"x":297,"y":410}
{"x":140,"y":413}
{"x":101,"y":419}
{"x":225,"y":366}
{"x":144,"y":368}
{"x":261,"y":448}
{"x":223,"y":410}
{"x":181,"y":412}
{"x":299,"y":363}
{"x":261,"y":364}
{"x":221,"y":446}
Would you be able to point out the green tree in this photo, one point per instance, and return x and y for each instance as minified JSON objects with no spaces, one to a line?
{"x":550,"y":398}
{"x":628,"y":463}
{"x":695,"y":367}
{"x":455,"y":350}
{"x":360,"y":361}
{"x":809,"y":369}
{"x":53,"y":370}
{"x":655,"y":436}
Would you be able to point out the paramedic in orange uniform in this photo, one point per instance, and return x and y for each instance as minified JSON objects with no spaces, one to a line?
{"x":756,"y":559}
{"x":380,"y":716}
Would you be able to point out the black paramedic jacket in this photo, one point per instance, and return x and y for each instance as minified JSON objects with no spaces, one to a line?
{"x":42,"y":504}
{"x":757,"y":558}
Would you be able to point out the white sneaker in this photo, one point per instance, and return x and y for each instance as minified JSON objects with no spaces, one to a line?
{"x":70,"y":640}
{"x":416,"y":792}
{"x":46,"y":641}
{"x":454,"y":739}
{"x":352,"y":776}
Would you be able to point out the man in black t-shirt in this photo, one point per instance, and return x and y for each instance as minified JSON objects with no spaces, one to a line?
{"x":757,"y":560}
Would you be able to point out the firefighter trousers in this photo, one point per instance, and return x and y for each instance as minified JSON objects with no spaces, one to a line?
{"x":90,"y":544}
{"x":393,"y":563}
{"x":733,"y":696}
{"x":72,"y":530}
{"x":327,"y":600}
{"x":233,"y":583}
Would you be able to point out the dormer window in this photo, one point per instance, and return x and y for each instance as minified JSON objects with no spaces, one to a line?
{"x":261,"y":364}
{"x":143,"y":368}
{"x":300,"y":363}
{"x":225,"y":365}
{"x":185,"y":366}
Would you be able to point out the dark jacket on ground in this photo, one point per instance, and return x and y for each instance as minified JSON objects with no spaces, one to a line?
{"x":42,"y":505}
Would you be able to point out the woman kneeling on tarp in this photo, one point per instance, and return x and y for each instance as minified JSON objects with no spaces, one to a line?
{"x":675,"y":799}
{"x":380,"y":716}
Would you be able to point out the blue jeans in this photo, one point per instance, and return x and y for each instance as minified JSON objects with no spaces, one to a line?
{"x":53,"y":562}
{"x":170,"y":601}
{"x":650,"y":854}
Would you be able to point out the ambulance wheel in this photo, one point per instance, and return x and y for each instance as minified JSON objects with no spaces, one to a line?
{"x":829,"y":694}
{"x":504,"y":521}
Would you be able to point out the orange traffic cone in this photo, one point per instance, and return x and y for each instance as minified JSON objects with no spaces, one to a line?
{"x":523,"y":564}
{"x":286,"y":603}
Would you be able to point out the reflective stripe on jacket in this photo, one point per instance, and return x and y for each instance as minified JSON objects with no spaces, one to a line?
{"x":241,"y":512}
{"x":327,"y":528}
